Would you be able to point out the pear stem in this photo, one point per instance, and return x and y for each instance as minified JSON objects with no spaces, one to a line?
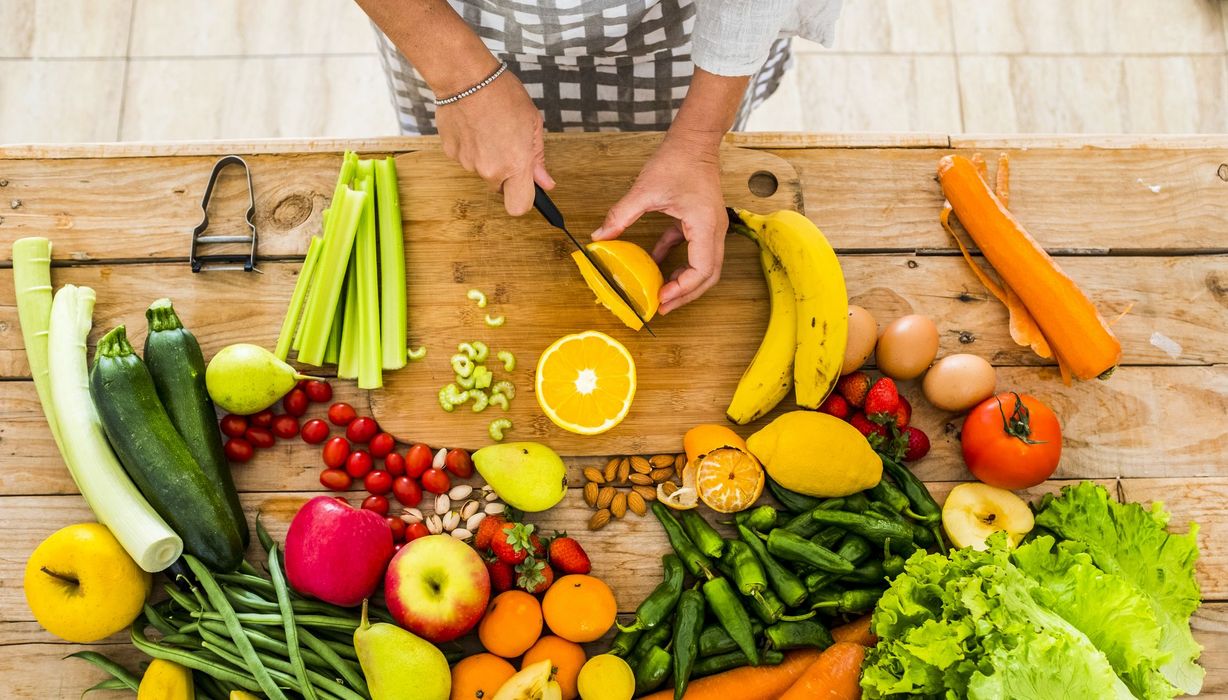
{"x":365,"y":624}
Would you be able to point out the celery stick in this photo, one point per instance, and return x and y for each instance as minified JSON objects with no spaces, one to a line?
{"x":332,"y":353}
{"x":289,"y":324}
{"x":394,"y":311}
{"x":369,"y":363}
{"x":345,"y":176}
{"x":330,"y":276}
{"x":347,"y":359}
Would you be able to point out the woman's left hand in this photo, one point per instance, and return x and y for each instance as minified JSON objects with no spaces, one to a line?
{"x":682,"y":180}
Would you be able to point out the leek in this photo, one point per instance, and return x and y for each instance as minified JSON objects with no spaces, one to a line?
{"x":107,"y":489}
{"x":366,"y":269}
{"x":394,"y":311}
{"x":289,"y":324}
{"x":330,"y":275}
{"x":348,"y":336}
{"x":32,"y":282}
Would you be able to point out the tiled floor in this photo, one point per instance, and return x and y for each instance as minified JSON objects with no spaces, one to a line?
{"x":104,"y":70}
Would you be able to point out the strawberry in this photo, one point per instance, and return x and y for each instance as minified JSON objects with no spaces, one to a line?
{"x":502,"y":575}
{"x":867,"y":427}
{"x":534,"y":575}
{"x":538,"y":548}
{"x":836,"y":405}
{"x":854,"y":387}
{"x":918,"y":444}
{"x":513,"y":542}
{"x":490,"y":525}
{"x":903,"y":413}
{"x":568,"y":556}
{"x":883,"y":397}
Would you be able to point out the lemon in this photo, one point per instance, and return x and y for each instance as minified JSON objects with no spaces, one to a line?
{"x":816,"y":454}
{"x":606,"y":677}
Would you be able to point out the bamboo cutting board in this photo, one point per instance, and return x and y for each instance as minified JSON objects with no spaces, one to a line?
{"x":460,"y":238}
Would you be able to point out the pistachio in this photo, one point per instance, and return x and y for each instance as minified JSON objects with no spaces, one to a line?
{"x":475,"y":521}
{"x":411,"y":516}
{"x":461,"y":492}
{"x":440,"y":457}
{"x":461,"y":533}
{"x":442,"y":504}
{"x":451,"y":520}
{"x":434,"y":524}
{"x":495,"y":508}
{"x":469,"y":509}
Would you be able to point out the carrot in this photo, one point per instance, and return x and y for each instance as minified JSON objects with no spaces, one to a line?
{"x":835,"y":676}
{"x":1075,"y":331}
{"x":748,"y":682}
{"x":857,"y":632}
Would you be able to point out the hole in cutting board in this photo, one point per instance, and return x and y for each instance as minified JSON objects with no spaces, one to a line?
{"x":763,"y":184}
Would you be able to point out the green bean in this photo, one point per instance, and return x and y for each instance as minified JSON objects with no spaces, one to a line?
{"x":207,"y":685}
{"x":244,"y":601}
{"x":274,"y":620}
{"x":287,"y":614}
{"x":266,"y":541}
{"x":280,"y":670}
{"x":326,"y":652}
{"x":159,"y":623}
{"x":264,"y":642}
{"x":181,"y":598}
{"x":194,"y":661}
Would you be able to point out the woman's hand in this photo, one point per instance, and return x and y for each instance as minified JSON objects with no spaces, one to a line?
{"x":497,"y":133}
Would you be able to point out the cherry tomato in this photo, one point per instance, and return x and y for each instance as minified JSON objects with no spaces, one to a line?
{"x":415,"y":531}
{"x":233,"y":426}
{"x":285,"y":427}
{"x":382,"y":444}
{"x":335,"y":479}
{"x":318,"y":391}
{"x":436,"y":481}
{"x":359,"y":463}
{"x":379,"y":504}
{"x":295,"y":403}
{"x":398,"y":528}
{"x":378,"y":482}
{"x":263,"y":419}
{"x":315,"y":431}
{"x":418,"y":460}
{"x":1012,"y":441}
{"x":336,"y":452}
{"x":341,"y":414}
{"x":407,"y":491}
{"x":238,"y":450}
{"x":260,"y":437}
{"x":394,"y":464}
{"x":361,"y":429}
{"x":458,"y":462}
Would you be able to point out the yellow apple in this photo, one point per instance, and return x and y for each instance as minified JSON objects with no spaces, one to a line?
{"x":82,"y":586}
{"x":973,"y":512}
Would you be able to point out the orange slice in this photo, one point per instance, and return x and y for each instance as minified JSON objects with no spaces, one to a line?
{"x":585,"y":382}
{"x":728,"y":479}
{"x":632,"y":269}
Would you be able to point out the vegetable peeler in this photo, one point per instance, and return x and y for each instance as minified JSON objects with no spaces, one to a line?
{"x":224,"y":261}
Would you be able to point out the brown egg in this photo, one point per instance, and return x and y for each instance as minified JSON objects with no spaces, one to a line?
{"x":863,"y":334}
{"x":907,"y":347}
{"x":959,"y":382}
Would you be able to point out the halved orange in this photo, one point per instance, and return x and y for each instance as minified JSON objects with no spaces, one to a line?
{"x":704,"y":438}
{"x":585,"y":382}
{"x":632,"y":269}
{"x":728,"y":479}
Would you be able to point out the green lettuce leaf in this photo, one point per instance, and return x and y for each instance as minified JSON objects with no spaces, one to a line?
{"x":1131,"y":542}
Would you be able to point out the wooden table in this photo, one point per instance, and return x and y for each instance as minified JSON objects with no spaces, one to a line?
{"x":1134,"y":220}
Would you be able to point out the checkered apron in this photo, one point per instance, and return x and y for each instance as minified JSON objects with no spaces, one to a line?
{"x":591,"y":65}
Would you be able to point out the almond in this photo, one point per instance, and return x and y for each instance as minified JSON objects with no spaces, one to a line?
{"x":641,"y":465}
{"x":645,"y":492}
{"x":594,"y":475}
{"x":659,"y":461}
{"x":611,"y":469}
{"x":599,"y":520}
{"x":618,"y":506}
{"x":590,"y":494}
{"x":636,"y":503}
{"x":624,"y":469}
{"x":605,"y":495}
{"x":669,"y":487}
{"x":640,"y":479}
{"x":679,"y":463}
{"x":662,"y":474}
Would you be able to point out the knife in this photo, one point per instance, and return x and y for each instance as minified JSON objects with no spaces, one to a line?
{"x":545,"y":206}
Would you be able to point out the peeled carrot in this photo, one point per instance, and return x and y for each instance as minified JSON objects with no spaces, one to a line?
{"x":835,"y":676}
{"x":1075,"y":331}
{"x":857,"y":632}
{"x":748,"y":682}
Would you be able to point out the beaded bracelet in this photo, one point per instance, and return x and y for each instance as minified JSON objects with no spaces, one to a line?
{"x":465,"y":93}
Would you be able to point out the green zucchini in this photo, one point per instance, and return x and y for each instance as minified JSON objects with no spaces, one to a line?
{"x":157,"y":458}
{"x":177,"y":365}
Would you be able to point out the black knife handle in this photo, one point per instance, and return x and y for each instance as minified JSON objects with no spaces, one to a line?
{"x":543,"y":204}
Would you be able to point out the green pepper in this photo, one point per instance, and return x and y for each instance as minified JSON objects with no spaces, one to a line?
{"x":724,"y":603}
{"x":792,"y":501}
{"x":874,"y":529}
{"x":760,"y":519}
{"x":854,"y":549}
{"x":854,"y":600}
{"x":923,"y":504}
{"x":891,"y":496}
{"x":786,"y":583}
{"x":805,"y":525}
{"x":688,"y":625}
{"x":694,"y":560}
{"x":658,"y":636}
{"x":767,"y":606}
{"x":744,"y":568}
{"x":921,"y":536}
{"x":715,"y":640}
{"x":893,"y":564}
{"x":788,"y":546}
{"x":871,"y":572}
{"x":735,"y":659}
{"x":624,"y":642}
{"x":652,"y":670}
{"x":856,"y":503}
{"x":705,"y":538}
{"x":798,"y":635}
{"x":828,"y":536}
{"x":657,"y":607}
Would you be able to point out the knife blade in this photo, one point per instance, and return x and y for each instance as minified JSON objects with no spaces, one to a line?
{"x":546,"y":207}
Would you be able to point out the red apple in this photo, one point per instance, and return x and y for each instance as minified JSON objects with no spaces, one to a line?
{"x":437,"y":587}
{"x":335,"y":552}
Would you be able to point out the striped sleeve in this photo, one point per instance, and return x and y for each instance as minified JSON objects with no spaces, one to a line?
{"x":733,"y":37}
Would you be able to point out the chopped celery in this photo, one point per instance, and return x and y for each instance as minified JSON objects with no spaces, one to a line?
{"x":482,"y":376}
{"x":330,"y":276}
{"x":480,"y":351}
{"x":417,"y":353}
{"x":504,"y":387}
{"x":466,"y":382}
{"x":394,"y":311}
{"x":480,"y":399}
{"x":370,"y":364}
{"x":509,"y":360}
{"x":453,"y":395}
{"x":497,"y":428}
{"x":468,"y":350}
{"x":443,"y":401}
{"x":289,"y":325}
{"x":461,"y":365}
{"x":499,"y":400}
{"x":494,"y":321}
{"x":347,"y":356}
{"x":477,"y":296}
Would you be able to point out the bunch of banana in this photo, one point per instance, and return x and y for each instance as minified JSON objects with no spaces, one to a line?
{"x":803,"y":347}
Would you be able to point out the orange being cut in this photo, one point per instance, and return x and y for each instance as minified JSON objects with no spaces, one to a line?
{"x":585,"y":382}
{"x":632,"y":269}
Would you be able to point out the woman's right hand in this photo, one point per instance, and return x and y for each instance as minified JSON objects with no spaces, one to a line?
{"x":497,"y":133}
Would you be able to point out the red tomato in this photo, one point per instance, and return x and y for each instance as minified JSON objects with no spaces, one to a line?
{"x":415,"y":531}
{"x":361,"y":429}
{"x":260,"y":437}
{"x":233,"y":426}
{"x":382,"y":444}
{"x":335,"y":479}
{"x":379,"y":504}
{"x":238,"y":450}
{"x":336,"y":452}
{"x":285,"y":427}
{"x":436,"y":481}
{"x":1011,"y":441}
{"x":394,"y":464}
{"x":398,"y":528}
{"x":263,"y":419}
{"x":315,"y":431}
{"x":318,"y":391}
{"x":295,"y":402}
{"x":418,"y":460}
{"x":458,"y":462}
{"x":407,"y":491}
{"x":359,"y":464}
{"x":378,"y":482}
{"x":341,"y":414}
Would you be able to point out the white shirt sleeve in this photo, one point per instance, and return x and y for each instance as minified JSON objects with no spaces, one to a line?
{"x":733,"y":37}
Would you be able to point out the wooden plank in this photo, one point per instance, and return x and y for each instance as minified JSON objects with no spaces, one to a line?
{"x":1109,"y":141}
{"x":844,"y":139}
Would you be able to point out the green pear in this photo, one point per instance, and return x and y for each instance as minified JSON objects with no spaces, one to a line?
{"x":400,"y":665}
{"x":527,"y":475}
{"x":246,"y":379}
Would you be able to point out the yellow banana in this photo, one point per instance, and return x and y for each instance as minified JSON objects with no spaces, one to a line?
{"x":769,"y":376}
{"x":819,"y":294}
